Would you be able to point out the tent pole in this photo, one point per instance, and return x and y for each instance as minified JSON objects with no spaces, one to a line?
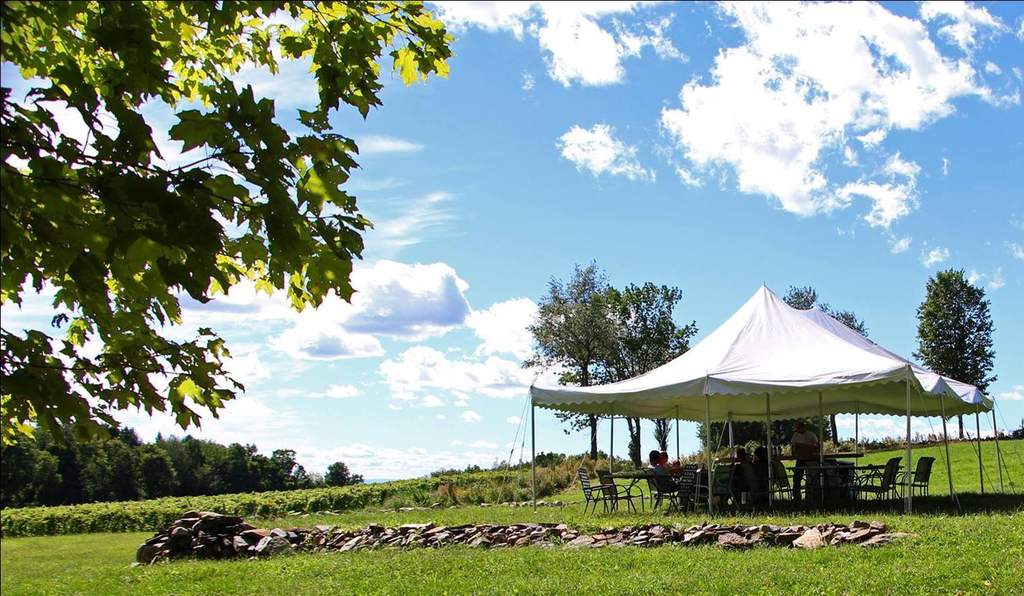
{"x":732,"y":449}
{"x":533,"y":453}
{"x":945,"y":442}
{"x":768,"y":433}
{"x":821,"y":450}
{"x":856,"y":430}
{"x":707,"y":445}
{"x":977,"y":432}
{"x":611,"y":441}
{"x":908,"y":498}
{"x":999,"y":456}
{"x":678,"y":453}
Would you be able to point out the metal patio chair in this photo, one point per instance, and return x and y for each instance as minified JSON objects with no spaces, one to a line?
{"x":592,"y":493}
{"x":887,"y":488}
{"x":920,"y":478}
{"x":614,"y":493}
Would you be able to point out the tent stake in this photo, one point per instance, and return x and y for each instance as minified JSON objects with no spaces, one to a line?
{"x":533,"y":453}
{"x":768,"y":433}
{"x":999,"y":455}
{"x":908,"y":498}
{"x":945,"y":442}
{"x":977,"y":432}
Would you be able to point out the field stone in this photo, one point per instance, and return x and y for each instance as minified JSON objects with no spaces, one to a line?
{"x":811,"y":539}
{"x":732,"y":540}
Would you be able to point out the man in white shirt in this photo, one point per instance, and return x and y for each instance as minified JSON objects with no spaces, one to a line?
{"x":804,"y":446}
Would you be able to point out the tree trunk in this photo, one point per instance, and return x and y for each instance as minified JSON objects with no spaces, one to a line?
{"x":593,"y":437}
{"x":960,"y":421}
{"x":634,"y":441}
{"x":832,"y":425}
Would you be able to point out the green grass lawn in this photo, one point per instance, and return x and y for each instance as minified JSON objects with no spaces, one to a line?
{"x":978,"y":552}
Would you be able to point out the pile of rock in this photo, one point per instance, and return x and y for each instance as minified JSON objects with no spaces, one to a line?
{"x":211,"y":535}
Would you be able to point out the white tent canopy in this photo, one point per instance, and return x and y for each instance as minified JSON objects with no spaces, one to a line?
{"x":808,"y":362}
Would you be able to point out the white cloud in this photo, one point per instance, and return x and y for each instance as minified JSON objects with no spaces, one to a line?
{"x":470,"y":416}
{"x":993,"y":68}
{"x":388,"y":463}
{"x":341,"y":391}
{"x":889,"y":200}
{"x":963,"y":21}
{"x":416,"y":219}
{"x":945,"y":166}
{"x":598,"y":151}
{"x":483,"y":445}
{"x":1014,"y":394}
{"x":930,"y":258}
{"x":423,"y":368}
{"x":807,"y":78}
{"x":577,"y":48}
{"x":992,"y":282}
{"x":375,"y":144}
{"x":900,"y":245}
{"x":528,"y":82}
{"x":849,"y":156}
{"x":1017,"y":250}
{"x":502,"y":327}
{"x":407,"y":301}
{"x":431,"y":401}
{"x":514,"y":420}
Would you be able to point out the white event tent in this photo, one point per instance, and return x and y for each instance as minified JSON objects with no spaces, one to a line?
{"x":769,"y":360}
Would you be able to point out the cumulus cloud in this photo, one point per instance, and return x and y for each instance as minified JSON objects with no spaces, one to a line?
{"x":1014,"y":394}
{"x":422,"y":368}
{"x":992,"y":282}
{"x":528,"y":82}
{"x":503,"y":327}
{"x":392,"y":299}
{"x":483,"y":445}
{"x":945,"y":166}
{"x":341,"y":391}
{"x":931,"y":258}
{"x":514,"y":420}
{"x":1017,"y":250}
{"x":431,"y":401}
{"x":963,"y":22}
{"x":470,"y":416}
{"x":375,"y":144}
{"x":577,"y":46}
{"x":598,"y":151}
{"x":899,"y":245}
{"x":808,"y":78}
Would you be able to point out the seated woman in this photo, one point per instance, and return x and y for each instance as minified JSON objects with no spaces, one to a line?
{"x":657,"y":464}
{"x":761,"y":473}
{"x":739,"y":479}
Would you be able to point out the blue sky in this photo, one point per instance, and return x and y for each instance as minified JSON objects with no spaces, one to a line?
{"x":857,"y":148}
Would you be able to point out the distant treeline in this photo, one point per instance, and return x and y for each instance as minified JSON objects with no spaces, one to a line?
{"x":42,"y":471}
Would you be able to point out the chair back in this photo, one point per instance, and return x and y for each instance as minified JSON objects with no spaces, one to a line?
{"x":721,"y":482}
{"x":923,"y":471}
{"x":779,"y":475}
{"x":892,"y":468}
{"x":750,"y":475}
{"x":652,"y":481}
{"x":584,"y":476}
{"x":607,"y":483}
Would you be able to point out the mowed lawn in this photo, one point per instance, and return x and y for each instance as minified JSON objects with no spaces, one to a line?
{"x":979,"y":552}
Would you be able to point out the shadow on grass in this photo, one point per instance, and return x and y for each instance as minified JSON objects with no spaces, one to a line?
{"x":968,"y":504}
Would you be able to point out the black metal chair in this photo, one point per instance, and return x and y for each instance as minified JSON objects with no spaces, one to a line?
{"x":721,"y":482}
{"x":780,"y":481}
{"x":614,"y":493}
{"x":592,"y":493}
{"x":663,"y":488}
{"x":688,"y":486}
{"x":887,"y":488}
{"x":920,"y":478}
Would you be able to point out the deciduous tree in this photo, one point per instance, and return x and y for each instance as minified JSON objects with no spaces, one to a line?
{"x":954,"y":331}
{"x":117,"y":229}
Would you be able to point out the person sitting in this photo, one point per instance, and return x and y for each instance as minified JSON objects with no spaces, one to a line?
{"x":760,"y":464}
{"x":741,"y":456}
{"x":805,"y":447}
{"x":657,"y":464}
{"x":739,"y":478}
